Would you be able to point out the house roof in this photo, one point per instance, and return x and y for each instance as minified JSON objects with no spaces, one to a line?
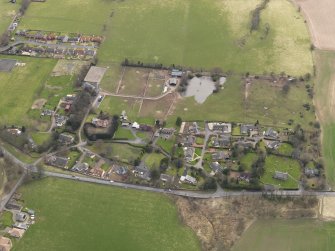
{"x":216,"y":167}
{"x":16,"y":232}
{"x":280,"y":175}
{"x":95,"y":74}
{"x":218,"y":155}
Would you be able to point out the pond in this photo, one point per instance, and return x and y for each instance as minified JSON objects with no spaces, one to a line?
{"x":200,"y":88}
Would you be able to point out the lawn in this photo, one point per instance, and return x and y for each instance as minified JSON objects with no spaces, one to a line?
{"x":285,"y":149}
{"x":110,"y":81}
{"x":197,"y":33}
{"x":21,"y":82}
{"x":248,"y":159}
{"x":123,"y":133}
{"x":6,"y":219}
{"x":274,"y":163}
{"x":40,"y":138}
{"x":297,"y":235}
{"x":122,"y":152}
{"x":92,"y":217}
{"x":166,"y":144}
{"x":115,"y":106}
{"x":153,"y":160}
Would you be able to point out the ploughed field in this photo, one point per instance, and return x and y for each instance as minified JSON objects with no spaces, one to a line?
{"x":197,"y":33}
{"x":80,"y":216}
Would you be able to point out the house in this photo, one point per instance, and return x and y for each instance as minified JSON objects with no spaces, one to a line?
{"x":20,"y":226}
{"x":135,"y":125}
{"x":173,"y":81}
{"x":247,"y":128}
{"x":218,"y":156}
{"x":176,"y":73}
{"x":56,"y":161}
{"x":13,"y":205}
{"x":65,"y":139}
{"x":16,"y":232}
{"x":103,"y":123}
{"x":216,"y":167}
{"x":80,"y":167}
{"x":14,"y":131}
{"x":125,"y":124}
{"x":188,"y":179}
{"x":223,"y":141}
{"x":167,"y":131}
{"x":166,"y":178}
{"x":60,"y":120}
{"x":311,"y":172}
{"x":20,"y":217}
{"x":142,"y":172}
{"x":123,"y":116}
{"x":31,"y":212}
{"x":270,"y":134}
{"x":5,"y":244}
{"x":120,"y":170}
{"x":280,"y":175}
{"x":97,"y":171}
{"x":273,"y":144}
{"x":188,"y":141}
{"x":245,"y":177}
{"x":220,"y":127}
{"x":189,"y":153}
{"x":47,"y":112}
{"x":194,"y":129}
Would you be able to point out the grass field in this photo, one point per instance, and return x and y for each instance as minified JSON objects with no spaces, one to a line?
{"x":274,"y":163}
{"x":324,"y":102}
{"x":123,"y":133}
{"x":91,"y":217}
{"x":18,"y":88}
{"x":122,"y":152}
{"x":153,"y":160}
{"x":7,"y":12}
{"x":222,"y":26}
{"x":280,"y":235}
{"x":248,"y":159}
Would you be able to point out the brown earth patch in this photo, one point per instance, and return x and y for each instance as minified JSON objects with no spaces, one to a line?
{"x":219,"y":223}
{"x":38,"y":104}
{"x":320,"y":17}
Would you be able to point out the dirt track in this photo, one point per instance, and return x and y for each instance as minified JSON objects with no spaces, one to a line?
{"x":321,"y":19}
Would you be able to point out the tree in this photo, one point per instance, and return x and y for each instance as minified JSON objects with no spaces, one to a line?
{"x":179,"y":121}
{"x":155,"y":174}
{"x":286,"y":88}
{"x":209,"y":184}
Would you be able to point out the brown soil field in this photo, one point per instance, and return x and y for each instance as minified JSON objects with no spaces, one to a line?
{"x":321,"y":19}
{"x":219,"y":223}
{"x":157,"y":108}
{"x":38,"y":104}
{"x":134,"y":81}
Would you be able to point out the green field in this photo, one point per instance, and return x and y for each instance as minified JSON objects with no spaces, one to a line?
{"x":324,"y":101}
{"x":197,"y":33}
{"x":274,"y":163}
{"x":284,"y":235}
{"x":18,"y":88}
{"x":248,"y":159}
{"x":78,"y":216}
{"x":153,"y":160}
{"x":7,"y":12}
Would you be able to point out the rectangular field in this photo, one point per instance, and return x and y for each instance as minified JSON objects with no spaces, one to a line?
{"x":134,"y":81}
{"x":18,"y":88}
{"x":280,"y":235}
{"x":118,"y":219}
{"x":197,"y":33}
{"x":7,"y":12}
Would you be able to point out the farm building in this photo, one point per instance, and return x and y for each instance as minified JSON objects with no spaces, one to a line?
{"x":56,"y":161}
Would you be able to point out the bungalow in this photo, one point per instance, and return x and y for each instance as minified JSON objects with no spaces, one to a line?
{"x":280,"y":175}
{"x":5,"y":243}
{"x":166,"y":178}
{"x":60,"y":120}
{"x":21,"y":226}
{"x":20,"y":217}
{"x":216,"y":167}
{"x":273,"y":144}
{"x":80,"y":167}
{"x":16,"y":232}
{"x":120,"y":170}
{"x":311,"y":172}
{"x":125,"y":124}
{"x":188,"y":179}
{"x":219,"y":156}
{"x":245,"y":177}
{"x":223,"y":141}
{"x":194,"y":129}
{"x":219,"y":127}
{"x":56,"y":161}
{"x":246,"y":128}
{"x":270,"y":134}
{"x":65,"y":139}
{"x":188,"y":141}
{"x":142,"y":172}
